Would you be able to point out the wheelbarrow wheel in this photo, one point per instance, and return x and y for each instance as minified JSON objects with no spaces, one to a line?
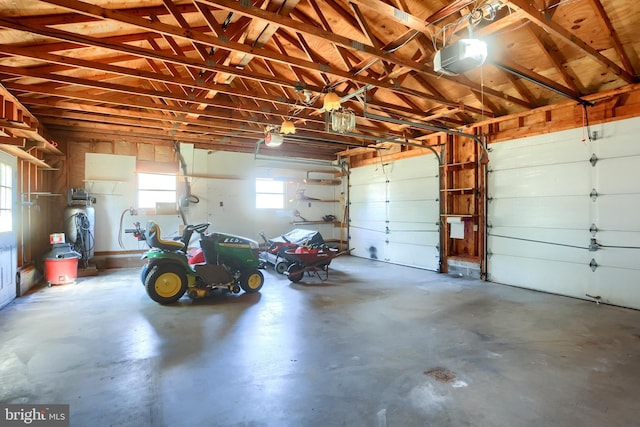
{"x":281,"y":267}
{"x":251,"y":281}
{"x":295,"y":272}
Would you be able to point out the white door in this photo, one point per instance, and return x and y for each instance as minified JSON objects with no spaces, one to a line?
{"x":8,"y":235}
{"x":394,"y":212}
{"x":540,"y":213}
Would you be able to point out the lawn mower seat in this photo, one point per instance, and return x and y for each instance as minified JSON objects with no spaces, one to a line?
{"x":155,"y":240}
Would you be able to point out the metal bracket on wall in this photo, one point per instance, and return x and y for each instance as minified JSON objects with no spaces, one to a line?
{"x":593,"y":194}
{"x":593,"y":264}
{"x":593,"y":160}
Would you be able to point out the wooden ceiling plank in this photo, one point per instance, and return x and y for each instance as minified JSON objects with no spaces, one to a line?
{"x":177,"y":15}
{"x":146,"y":53}
{"x":366,"y":30}
{"x":312,"y":124}
{"x":601,"y":14}
{"x":346,"y":42}
{"x":342,"y":52}
{"x":448,"y":10}
{"x":168,"y":81}
{"x":84,"y":39}
{"x":551,"y":51}
{"x":539,"y":19}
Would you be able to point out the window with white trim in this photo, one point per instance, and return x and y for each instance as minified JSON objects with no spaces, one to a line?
{"x":156,"y":188}
{"x":269,"y":194}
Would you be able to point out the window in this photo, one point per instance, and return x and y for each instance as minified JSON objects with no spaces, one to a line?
{"x":269,"y":194}
{"x":155,"y":188}
{"x":6,"y":201}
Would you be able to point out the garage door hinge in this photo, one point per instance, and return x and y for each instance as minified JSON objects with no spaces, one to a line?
{"x":593,"y":229}
{"x":593,"y":246}
{"x":593,"y":194}
{"x":593,"y":264}
{"x":593,"y":160}
{"x":489,"y":254}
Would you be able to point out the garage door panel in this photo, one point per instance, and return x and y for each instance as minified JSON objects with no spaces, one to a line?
{"x":541,"y":251}
{"x":407,"y":168}
{"x":417,"y":227}
{"x":542,"y":212}
{"x":556,"y":236}
{"x":617,"y":212}
{"x":415,"y":237}
{"x":616,"y":286}
{"x":363,"y":212}
{"x":413,"y":255}
{"x":551,"y":180}
{"x":618,"y":176}
{"x":367,"y":174}
{"x":556,"y":148}
{"x":414,"y":211}
{"x":368,"y":193}
{"x":543,"y":275}
{"x":367,"y":243}
{"x":423,"y":188}
{"x":619,"y":139}
{"x":624,"y":239}
{"x":619,"y":257}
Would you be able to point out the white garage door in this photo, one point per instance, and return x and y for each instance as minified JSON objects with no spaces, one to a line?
{"x":542,"y":214}
{"x":394,"y":212}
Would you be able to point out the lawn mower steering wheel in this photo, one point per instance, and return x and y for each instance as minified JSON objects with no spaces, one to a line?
{"x":200,"y":228}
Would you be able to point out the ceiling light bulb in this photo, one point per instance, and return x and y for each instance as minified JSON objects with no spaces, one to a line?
{"x":331,"y":101}
{"x":287,"y":127}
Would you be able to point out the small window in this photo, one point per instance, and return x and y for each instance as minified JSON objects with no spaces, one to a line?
{"x":156,"y":188}
{"x":6,"y":202}
{"x":269,"y":194}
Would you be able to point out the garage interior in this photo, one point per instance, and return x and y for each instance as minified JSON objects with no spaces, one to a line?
{"x":476,"y":159}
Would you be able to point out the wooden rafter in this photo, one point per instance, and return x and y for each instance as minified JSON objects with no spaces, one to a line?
{"x":540,"y":19}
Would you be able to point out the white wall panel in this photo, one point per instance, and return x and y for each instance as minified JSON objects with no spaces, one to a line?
{"x":541,"y":212}
{"x":394,"y":212}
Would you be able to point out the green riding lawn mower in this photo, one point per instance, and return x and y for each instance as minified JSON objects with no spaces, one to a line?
{"x":223,"y":261}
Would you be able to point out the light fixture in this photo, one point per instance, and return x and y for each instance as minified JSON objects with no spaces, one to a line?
{"x":331,"y":101}
{"x":273,"y":138}
{"x":460,"y":57}
{"x":343,"y":120}
{"x":287,"y":127}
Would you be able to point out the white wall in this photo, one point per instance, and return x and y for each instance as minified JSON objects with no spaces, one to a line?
{"x":227,"y":203}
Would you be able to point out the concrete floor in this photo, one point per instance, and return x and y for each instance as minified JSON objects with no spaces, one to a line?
{"x":376,"y":345}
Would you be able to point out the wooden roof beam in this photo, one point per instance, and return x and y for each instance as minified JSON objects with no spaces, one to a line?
{"x":601,"y":14}
{"x":541,"y":20}
{"x":349,"y":43}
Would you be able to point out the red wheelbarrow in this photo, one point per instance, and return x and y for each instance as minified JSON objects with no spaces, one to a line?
{"x":311,"y":261}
